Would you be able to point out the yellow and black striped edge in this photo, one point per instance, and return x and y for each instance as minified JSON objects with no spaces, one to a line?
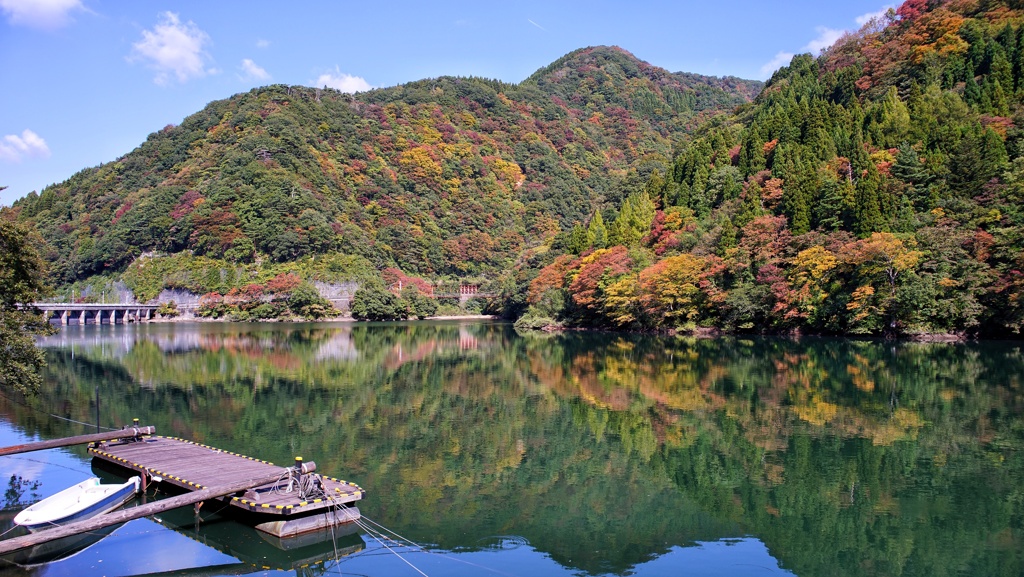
{"x":356,"y":493}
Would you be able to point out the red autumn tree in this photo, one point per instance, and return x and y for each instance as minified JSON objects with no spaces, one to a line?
{"x":597,"y":270}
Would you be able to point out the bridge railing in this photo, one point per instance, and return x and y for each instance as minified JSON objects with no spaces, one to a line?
{"x":83,"y":312}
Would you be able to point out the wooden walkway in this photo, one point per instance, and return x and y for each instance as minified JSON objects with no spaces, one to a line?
{"x":192,"y":466}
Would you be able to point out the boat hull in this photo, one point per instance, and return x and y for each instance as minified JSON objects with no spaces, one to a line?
{"x":82,"y":501}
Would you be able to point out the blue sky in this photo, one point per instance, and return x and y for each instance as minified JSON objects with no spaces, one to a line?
{"x":85,"y":81}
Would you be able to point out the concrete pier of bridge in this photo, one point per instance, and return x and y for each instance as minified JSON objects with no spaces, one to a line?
{"x":83,"y":313}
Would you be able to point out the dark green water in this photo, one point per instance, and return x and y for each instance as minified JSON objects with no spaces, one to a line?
{"x":579,"y":454}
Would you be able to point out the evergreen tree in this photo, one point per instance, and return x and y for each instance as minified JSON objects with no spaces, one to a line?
{"x":1017,"y":61}
{"x":698,"y":193}
{"x":597,"y":234}
{"x":1002,"y":68}
{"x":829,"y":212}
{"x":889,"y":121}
{"x":909,"y":169}
{"x":798,"y":195}
{"x":868,"y":205}
{"x":751,"y":154}
{"x":972,"y":92}
{"x":750,"y":207}
{"x":979,"y":157}
{"x":727,"y":238}
{"x":618,"y":232}
{"x":578,"y":241}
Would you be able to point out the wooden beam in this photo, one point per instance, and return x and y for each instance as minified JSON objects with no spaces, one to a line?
{"x":79,"y":440}
{"x":125,"y":515}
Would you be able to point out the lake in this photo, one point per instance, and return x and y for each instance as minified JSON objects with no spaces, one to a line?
{"x":494,"y":453}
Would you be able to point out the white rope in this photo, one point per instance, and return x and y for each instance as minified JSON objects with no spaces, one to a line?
{"x":382,"y":544}
{"x":30,"y":407}
{"x":425,"y":550}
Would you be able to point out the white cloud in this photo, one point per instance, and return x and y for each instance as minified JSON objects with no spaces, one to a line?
{"x":781,"y":59}
{"x":254,"y":71}
{"x":173,"y":48}
{"x":45,"y":14}
{"x":826,"y":37}
{"x":15,"y":148}
{"x":342,"y":82}
{"x":865,"y":18}
{"x":261,"y":43}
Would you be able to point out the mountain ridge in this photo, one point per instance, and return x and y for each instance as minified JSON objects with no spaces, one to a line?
{"x":437,"y":176}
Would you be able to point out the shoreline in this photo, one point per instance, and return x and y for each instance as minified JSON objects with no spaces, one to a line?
{"x":341,"y":319}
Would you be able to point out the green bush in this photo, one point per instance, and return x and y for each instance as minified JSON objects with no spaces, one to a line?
{"x":420,"y":305}
{"x":306,"y":302}
{"x":373,"y":302}
{"x":168,"y":309}
{"x":530,"y":322}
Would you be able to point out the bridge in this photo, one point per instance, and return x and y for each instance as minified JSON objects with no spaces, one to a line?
{"x":83,"y":313}
{"x":463,"y":292}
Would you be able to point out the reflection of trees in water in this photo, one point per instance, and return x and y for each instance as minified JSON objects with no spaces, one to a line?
{"x":17,"y":487}
{"x":607,"y":449}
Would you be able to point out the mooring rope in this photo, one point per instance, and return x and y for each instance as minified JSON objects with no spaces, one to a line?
{"x":27,"y":406}
{"x":424,"y":549}
{"x":382,"y":544}
{"x":381,"y":537}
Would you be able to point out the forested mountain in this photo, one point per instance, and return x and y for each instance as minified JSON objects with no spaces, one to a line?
{"x":875,"y":189}
{"x":451,"y":176}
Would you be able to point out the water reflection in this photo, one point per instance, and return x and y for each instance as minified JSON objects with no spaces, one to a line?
{"x":608,"y":454}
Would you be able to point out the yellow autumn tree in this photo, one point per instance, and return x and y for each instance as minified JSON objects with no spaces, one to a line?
{"x":670,"y":290}
{"x":420,"y":163}
{"x":620,"y":301}
{"x":880,"y":263}
{"x":809,"y":278}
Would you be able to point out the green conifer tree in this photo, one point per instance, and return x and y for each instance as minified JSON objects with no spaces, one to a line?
{"x":751,"y":154}
{"x":597,"y":234}
{"x":797,"y":196}
{"x":1002,"y":69}
{"x":750,"y":206}
{"x":972,"y":92}
{"x":578,"y":241}
{"x":1017,"y":62}
{"x":868,"y":205}
{"x":997,"y":96}
{"x":727,"y":238}
{"x":830,"y":211}
{"x":618,"y":232}
{"x":909,"y":169}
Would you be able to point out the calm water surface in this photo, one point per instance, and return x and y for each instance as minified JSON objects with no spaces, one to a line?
{"x":580,"y":454}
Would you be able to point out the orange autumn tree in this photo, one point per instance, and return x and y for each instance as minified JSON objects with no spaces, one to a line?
{"x":551,"y":277}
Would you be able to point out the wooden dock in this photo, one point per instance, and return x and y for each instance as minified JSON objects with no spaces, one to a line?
{"x":282,"y":507}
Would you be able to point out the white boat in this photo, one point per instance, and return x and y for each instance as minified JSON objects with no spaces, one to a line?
{"x":82,"y":501}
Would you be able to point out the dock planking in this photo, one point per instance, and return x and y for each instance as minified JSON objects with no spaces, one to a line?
{"x":193,"y":466}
